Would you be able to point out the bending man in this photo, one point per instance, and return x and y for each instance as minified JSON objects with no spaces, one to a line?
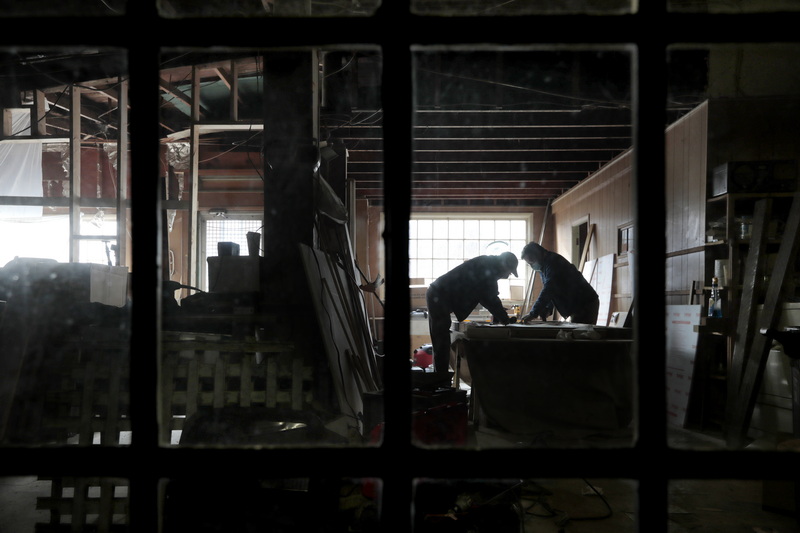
{"x":459,"y":291}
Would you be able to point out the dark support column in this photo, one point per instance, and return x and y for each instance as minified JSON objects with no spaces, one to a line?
{"x":289,"y":150}
{"x":290,"y":155}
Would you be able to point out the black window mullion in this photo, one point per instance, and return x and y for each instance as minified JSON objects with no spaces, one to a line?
{"x":397,"y":129}
{"x":650,"y":86}
{"x":146,"y":461}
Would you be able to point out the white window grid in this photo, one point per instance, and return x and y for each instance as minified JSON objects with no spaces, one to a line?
{"x":437,"y":245}
{"x":231,"y":228}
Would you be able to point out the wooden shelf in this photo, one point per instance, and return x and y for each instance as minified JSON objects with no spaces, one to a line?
{"x":713,"y":326}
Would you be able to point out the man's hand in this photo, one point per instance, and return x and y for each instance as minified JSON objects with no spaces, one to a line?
{"x":530,"y":317}
{"x":500,"y":320}
{"x":540,"y":311}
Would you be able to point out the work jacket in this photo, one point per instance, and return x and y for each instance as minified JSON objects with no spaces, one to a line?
{"x":563,"y":287}
{"x":469,"y":284}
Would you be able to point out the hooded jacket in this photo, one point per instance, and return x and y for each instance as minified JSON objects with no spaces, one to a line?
{"x":564,"y":287}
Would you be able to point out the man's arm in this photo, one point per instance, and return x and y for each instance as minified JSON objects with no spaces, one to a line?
{"x":492,"y":302}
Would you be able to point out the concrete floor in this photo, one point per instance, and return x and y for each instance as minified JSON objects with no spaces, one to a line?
{"x":18,"y":512}
{"x":696,"y":506}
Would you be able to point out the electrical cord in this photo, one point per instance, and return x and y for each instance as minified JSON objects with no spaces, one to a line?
{"x":563,"y":517}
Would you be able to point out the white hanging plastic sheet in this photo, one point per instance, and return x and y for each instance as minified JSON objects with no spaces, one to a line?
{"x":21,"y":168}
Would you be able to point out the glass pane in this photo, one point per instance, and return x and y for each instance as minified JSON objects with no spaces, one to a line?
{"x":456,"y":229}
{"x":440,"y":249}
{"x":524,"y":127}
{"x":471,"y":229}
{"x":265,"y":8}
{"x":240,"y":503}
{"x":721,"y":6}
{"x":425,"y":228}
{"x":707,"y":504}
{"x":425,"y":248}
{"x":31,"y":503}
{"x":440,"y":228}
{"x":471,"y":248}
{"x":65,"y":249}
{"x":511,"y":506}
{"x":259,"y":229}
{"x":456,"y":248}
{"x":521,"y":7}
{"x":63,"y":8}
{"x":731,"y":179}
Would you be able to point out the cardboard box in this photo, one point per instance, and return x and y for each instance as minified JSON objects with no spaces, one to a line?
{"x":234,"y":273}
{"x":108,"y":284}
{"x":418,"y":293}
{"x":72,"y":282}
{"x":517,"y":292}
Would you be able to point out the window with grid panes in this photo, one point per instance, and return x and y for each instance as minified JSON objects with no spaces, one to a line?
{"x":145,"y":463}
{"x":438,"y":245}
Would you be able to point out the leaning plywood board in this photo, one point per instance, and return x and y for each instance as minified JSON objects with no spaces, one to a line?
{"x":601,"y":279}
{"x":588,"y":269}
{"x":342,"y":344}
{"x":681,"y":350}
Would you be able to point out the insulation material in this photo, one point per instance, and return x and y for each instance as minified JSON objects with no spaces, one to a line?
{"x":21,"y":168}
{"x":179,"y":155}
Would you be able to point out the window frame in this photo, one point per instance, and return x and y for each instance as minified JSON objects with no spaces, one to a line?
{"x":526,"y":218}
{"x":651,"y":462}
{"x":202,"y":234}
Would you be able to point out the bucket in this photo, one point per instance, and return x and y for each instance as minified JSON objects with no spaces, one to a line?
{"x":253,"y":243}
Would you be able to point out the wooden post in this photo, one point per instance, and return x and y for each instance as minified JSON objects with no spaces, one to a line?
{"x":75,"y":174}
{"x":741,"y":405}
{"x":122,"y":176}
{"x":751,"y":283}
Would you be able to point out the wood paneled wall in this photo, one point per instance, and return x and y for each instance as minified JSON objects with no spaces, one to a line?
{"x":685,"y":203}
{"x":605,"y":201}
{"x":717,"y":131}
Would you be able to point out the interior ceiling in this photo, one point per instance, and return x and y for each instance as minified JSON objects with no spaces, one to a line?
{"x":508,"y":128}
{"x":490,"y":128}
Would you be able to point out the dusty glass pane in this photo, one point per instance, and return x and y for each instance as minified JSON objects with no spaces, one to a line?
{"x":726,"y":504}
{"x":266,"y":8}
{"x":65,"y":249}
{"x":731,"y":183}
{"x":521,"y":7}
{"x":272,"y":247}
{"x":236,"y":503}
{"x":62,"y":8}
{"x":725,"y":6}
{"x":537,"y":140}
{"x":514,"y":505}
{"x":31,"y":503}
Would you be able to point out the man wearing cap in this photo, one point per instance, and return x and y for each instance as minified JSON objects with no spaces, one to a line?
{"x":459,"y":291}
{"x":563,"y":288}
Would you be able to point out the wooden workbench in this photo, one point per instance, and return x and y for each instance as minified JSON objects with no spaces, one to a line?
{"x":529,"y":378}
